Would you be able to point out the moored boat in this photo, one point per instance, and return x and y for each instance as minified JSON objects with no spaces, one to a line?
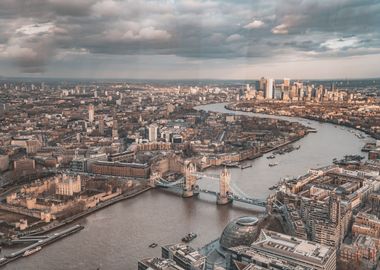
{"x":245,"y":166}
{"x":32,"y":251}
{"x":189,"y":237}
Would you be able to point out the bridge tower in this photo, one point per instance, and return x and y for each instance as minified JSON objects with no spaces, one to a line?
{"x":190,"y":180}
{"x":153,"y":178}
{"x":224,"y":187}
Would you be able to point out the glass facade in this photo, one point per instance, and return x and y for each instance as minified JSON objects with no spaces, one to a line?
{"x":240,"y":231}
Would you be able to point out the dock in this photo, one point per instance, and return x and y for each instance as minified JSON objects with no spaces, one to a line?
{"x":39,"y":242}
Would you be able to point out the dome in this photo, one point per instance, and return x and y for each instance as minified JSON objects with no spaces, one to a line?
{"x":240,"y":231}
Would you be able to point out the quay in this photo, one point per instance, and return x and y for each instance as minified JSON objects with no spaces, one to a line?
{"x":39,"y":243}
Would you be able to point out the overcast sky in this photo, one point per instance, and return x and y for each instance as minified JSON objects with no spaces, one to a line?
{"x":178,"y":39}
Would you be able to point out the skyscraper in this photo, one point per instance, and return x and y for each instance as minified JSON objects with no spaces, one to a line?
{"x":152,"y":132}
{"x":91,"y":113}
{"x":262,"y":83}
{"x":101,"y":124}
{"x":269,"y":89}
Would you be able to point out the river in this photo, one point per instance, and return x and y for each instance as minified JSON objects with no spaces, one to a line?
{"x":118,"y":236}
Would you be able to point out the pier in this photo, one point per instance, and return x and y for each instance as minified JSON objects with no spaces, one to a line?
{"x":38,"y":243}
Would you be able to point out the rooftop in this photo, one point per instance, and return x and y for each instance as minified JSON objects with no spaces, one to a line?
{"x":292,"y":246}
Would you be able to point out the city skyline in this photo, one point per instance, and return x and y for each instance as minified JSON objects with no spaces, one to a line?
{"x":190,"y":39}
{"x":190,"y":134}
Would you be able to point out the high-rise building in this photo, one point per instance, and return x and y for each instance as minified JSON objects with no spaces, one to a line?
{"x":286,"y":82}
{"x":152,"y":132}
{"x":115,"y":129}
{"x":269,"y":89}
{"x":101,"y":124}
{"x":91,"y":113}
{"x":262,"y":83}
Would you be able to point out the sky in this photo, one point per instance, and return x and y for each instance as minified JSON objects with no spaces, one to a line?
{"x":190,"y":39}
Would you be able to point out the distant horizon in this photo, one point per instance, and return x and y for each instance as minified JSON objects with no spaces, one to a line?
{"x":179,"y":79}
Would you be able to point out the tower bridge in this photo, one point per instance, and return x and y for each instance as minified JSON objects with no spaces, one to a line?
{"x":187,"y":185}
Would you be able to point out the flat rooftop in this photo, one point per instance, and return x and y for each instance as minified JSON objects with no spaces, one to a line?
{"x":292,"y":247}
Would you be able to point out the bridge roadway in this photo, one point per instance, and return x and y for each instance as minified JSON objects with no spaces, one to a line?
{"x":178,"y":187}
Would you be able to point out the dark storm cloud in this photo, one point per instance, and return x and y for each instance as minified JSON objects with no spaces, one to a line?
{"x":34,"y":32}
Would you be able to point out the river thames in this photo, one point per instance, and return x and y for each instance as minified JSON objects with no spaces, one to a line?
{"x":118,"y":236}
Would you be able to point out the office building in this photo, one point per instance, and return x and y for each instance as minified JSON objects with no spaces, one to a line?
{"x":158,"y":264}
{"x":91,"y":113}
{"x":184,"y":256}
{"x":274,"y":250}
{"x":262,"y":84}
{"x":269,"y":89}
{"x":24,"y":164}
{"x":152,"y":133}
{"x":101,"y":124}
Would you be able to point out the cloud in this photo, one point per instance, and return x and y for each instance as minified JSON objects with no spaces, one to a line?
{"x":256,"y":24}
{"x":280,"y":29}
{"x":234,"y":37}
{"x":341,"y":43}
{"x":107,"y":8}
{"x":34,"y":29}
{"x":138,"y":35}
{"x":36,"y":34}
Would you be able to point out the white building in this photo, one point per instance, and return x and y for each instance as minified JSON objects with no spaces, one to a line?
{"x":91,"y":113}
{"x":67,"y":185}
{"x":269,"y":89}
{"x":152,"y":132}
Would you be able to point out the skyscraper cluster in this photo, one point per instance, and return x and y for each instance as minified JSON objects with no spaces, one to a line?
{"x":268,"y":88}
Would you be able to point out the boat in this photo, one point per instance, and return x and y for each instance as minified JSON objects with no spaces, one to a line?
{"x":189,"y":237}
{"x":31,"y":251}
{"x":349,"y":160}
{"x":153,"y":245}
{"x":245,"y":166}
{"x":231,"y":164}
{"x":272,"y":164}
{"x":271,"y":157}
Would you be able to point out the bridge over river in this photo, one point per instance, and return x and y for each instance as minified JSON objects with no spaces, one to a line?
{"x":187,"y":185}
